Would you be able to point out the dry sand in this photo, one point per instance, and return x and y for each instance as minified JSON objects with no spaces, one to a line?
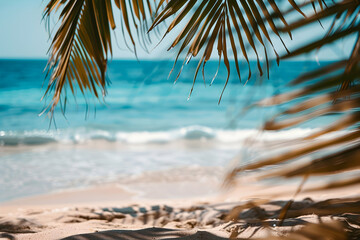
{"x":161,"y":210}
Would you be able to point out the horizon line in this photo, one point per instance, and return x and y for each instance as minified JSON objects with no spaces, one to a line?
{"x":169,"y":59}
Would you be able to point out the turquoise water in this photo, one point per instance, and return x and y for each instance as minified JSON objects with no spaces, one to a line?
{"x":146,"y":123}
{"x":140,"y":97}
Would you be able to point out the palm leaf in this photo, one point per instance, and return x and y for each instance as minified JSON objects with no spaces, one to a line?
{"x":74,"y":57}
{"x":332,"y":89}
{"x":328,"y":90}
{"x":225,"y":26}
{"x":82,"y":43}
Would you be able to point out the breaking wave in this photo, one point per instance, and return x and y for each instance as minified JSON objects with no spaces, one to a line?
{"x":190,"y":133}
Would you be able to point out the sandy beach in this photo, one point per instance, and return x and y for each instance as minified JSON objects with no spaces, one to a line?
{"x":170,"y":210}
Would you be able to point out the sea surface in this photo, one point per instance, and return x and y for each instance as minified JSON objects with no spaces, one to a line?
{"x":146,"y":123}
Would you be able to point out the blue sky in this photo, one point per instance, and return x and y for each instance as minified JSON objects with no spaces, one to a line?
{"x":21,"y":31}
{"x":23,"y":35}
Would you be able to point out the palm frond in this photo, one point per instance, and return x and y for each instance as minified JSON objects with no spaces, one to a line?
{"x":333,"y":230}
{"x":333,"y":223}
{"x":226,"y":26}
{"x":331,"y":89}
{"x":79,"y":50}
{"x":136,"y":17}
{"x":82,"y":43}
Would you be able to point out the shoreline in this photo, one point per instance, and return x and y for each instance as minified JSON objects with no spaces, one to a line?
{"x":174,"y":182}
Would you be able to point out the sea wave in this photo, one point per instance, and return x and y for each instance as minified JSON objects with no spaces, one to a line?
{"x":189,"y":133}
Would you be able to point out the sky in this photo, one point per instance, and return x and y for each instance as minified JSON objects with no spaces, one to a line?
{"x":23,"y":35}
{"x":21,"y":31}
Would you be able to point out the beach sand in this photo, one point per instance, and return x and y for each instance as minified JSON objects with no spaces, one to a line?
{"x":167,"y":210}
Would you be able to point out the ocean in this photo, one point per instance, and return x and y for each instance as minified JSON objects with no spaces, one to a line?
{"x":145,"y":124}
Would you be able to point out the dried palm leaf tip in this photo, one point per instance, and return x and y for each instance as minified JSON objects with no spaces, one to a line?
{"x":82,"y":43}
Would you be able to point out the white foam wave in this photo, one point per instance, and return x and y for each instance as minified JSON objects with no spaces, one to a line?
{"x":190,"y":133}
